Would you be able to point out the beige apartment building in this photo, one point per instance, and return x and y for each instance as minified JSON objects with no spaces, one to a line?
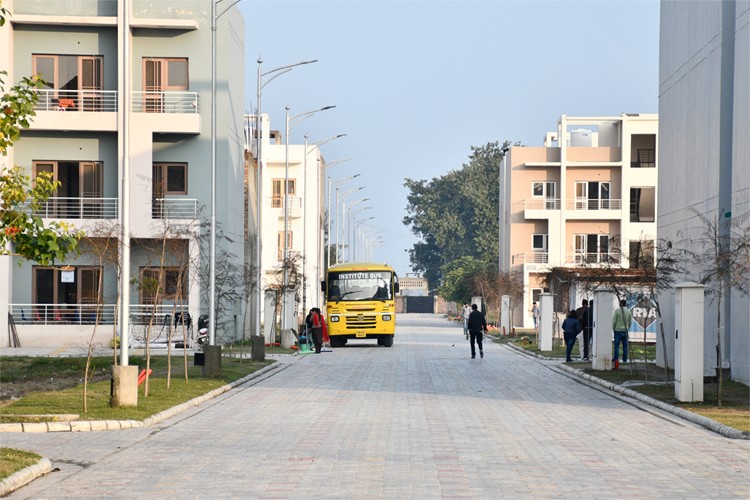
{"x":585,"y":197}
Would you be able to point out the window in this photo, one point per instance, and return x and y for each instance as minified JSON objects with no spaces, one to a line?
{"x":642,"y":204}
{"x":539,"y":242}
{"x":591,"y":248}
{"x":592,"y":195}
{"x":166,"y":281}
{"x":80,"y":192}
{"x":536,"y":295}
{"x":76,"y":80}
{"x":160,"y":75}
{"x":641,"y":254}
{"x":280,"y":244}
{"x":54,"y":286}
{"x":169,"y":178}
{"x":546,"y":190}
{"x":277,"y":200}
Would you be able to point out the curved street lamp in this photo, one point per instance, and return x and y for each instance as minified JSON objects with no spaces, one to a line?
{"x":291,"y":122}
{"x":272,"y":74}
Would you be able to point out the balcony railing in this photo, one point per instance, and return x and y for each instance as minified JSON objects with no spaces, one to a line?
{"x":59,"y":207}
{"x":592,"y":258}
{"x":80,"y":100}
{"x":174,"y":208}
{"x":165,"y":102}
{"x":537,"y":204}
{"x":63,"y":314}
{"x":530,"y":258}
{"x":586,"y":204}
{"x":86,"y":314}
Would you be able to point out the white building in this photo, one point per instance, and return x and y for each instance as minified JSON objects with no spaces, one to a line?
{"x":704,"y":109}
{"x":303,"y":216}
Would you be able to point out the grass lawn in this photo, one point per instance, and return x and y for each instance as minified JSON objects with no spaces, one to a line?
{"x":53,"y":386}
{"x":11,"y":461}
{"x":649,"y":379}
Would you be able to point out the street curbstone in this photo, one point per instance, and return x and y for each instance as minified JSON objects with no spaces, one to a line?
{"x":24,"y":476}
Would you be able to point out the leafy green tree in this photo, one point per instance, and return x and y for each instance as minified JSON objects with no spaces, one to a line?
{"x":460,"y":278}
{"x":21,"y":232}
{"x":456,"y":215}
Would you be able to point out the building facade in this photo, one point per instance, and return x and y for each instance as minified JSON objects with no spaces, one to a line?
{"x":704,"y":109}
{"x":126,"y":111}
{"x":300,"y":212}
{"x":586,"y":197}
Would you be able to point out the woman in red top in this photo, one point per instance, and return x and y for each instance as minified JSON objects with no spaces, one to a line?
{"x":317,"y":329}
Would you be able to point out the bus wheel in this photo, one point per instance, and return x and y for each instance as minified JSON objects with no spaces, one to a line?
{"x":387,"y":340}
{"x":337,"y":342}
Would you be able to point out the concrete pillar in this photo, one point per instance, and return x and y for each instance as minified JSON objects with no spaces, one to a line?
{"x":257,"y":348}
{"x":211,"y":360}
{"x":602,"y":343}
{"x":505,"y":315}
{"x":477,"y":301}
{"x":688,"y":342}
{"x":546,"y":323}
{"x":290,"y":321}
{"x":124,"y":386}
{"x":6,"y":297}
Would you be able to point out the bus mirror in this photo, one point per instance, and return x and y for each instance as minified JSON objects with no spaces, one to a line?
{"x":322,"y":285}
{"x":395,"y":288}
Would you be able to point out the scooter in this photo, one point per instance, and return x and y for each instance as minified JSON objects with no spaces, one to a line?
{"x":202,"y":338}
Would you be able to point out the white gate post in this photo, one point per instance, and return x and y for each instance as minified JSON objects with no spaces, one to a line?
{"x":602,"y":344}
{"x":546,"y":325}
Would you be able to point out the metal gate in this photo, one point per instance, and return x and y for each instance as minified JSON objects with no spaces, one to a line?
{"x":420,"y":304}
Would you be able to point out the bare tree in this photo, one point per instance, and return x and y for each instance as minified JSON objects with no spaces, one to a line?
{"x":721,"y":256}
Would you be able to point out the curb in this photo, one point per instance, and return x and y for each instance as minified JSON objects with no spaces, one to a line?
{"x":712,"y":425}
{"x":24,"y":476}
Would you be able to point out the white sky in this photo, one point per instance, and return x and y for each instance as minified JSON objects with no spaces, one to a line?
{"x":417,"y":83}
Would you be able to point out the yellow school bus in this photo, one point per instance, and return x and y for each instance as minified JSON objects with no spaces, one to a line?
{"x":360,"y":302}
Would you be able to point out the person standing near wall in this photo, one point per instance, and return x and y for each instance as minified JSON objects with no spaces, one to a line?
{"x":535,"y":315}
{"x":621,"y":320}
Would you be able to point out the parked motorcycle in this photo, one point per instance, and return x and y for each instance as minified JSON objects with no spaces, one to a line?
{"x":202,"y":337}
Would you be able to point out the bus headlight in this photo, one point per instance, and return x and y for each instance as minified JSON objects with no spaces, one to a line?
{"x":334,"y":319}
{"x":386,"y":317}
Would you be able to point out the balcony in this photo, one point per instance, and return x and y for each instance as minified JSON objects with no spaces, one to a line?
{"x":583,"y":208}
{"x":537,"y":208}
{"x":295,"y":206}
{"x":76,"y":110}
{"x":174,"y":208}
{"x":78,"y":208}
{"x":63,"y":314}
{"x":594,"y":259}
{"x":166,"y":112}
{"x":530,"y":258}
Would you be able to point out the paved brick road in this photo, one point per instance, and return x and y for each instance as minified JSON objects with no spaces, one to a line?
{"x":418,"y":420}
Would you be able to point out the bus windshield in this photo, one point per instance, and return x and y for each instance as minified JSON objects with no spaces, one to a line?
{"x":359,"y":285}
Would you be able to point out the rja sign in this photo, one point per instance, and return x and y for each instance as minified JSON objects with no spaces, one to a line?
{"x":644,"y":312}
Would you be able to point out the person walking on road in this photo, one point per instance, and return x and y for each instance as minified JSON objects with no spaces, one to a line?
{"x":621,"y":320}
{"x":477,"y":325}
{"x":465,"y":311}
{"x":571,"y":328}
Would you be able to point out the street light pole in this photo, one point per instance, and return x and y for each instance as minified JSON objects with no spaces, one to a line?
{"x":343,"y":222}
{"x":259,"y":178}
{"x":502,"y":215}
{"x":304,"y":214}
{"x":350,"y":232}
{"x":343,"y":196}
{"x":290,"y":123}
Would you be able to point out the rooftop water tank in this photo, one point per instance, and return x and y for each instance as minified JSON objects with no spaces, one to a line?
{"x":580,"y":137}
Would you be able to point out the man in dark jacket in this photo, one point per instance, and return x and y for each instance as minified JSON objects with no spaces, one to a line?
{"x":585,"y":319}
{"x":477,"y":325}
